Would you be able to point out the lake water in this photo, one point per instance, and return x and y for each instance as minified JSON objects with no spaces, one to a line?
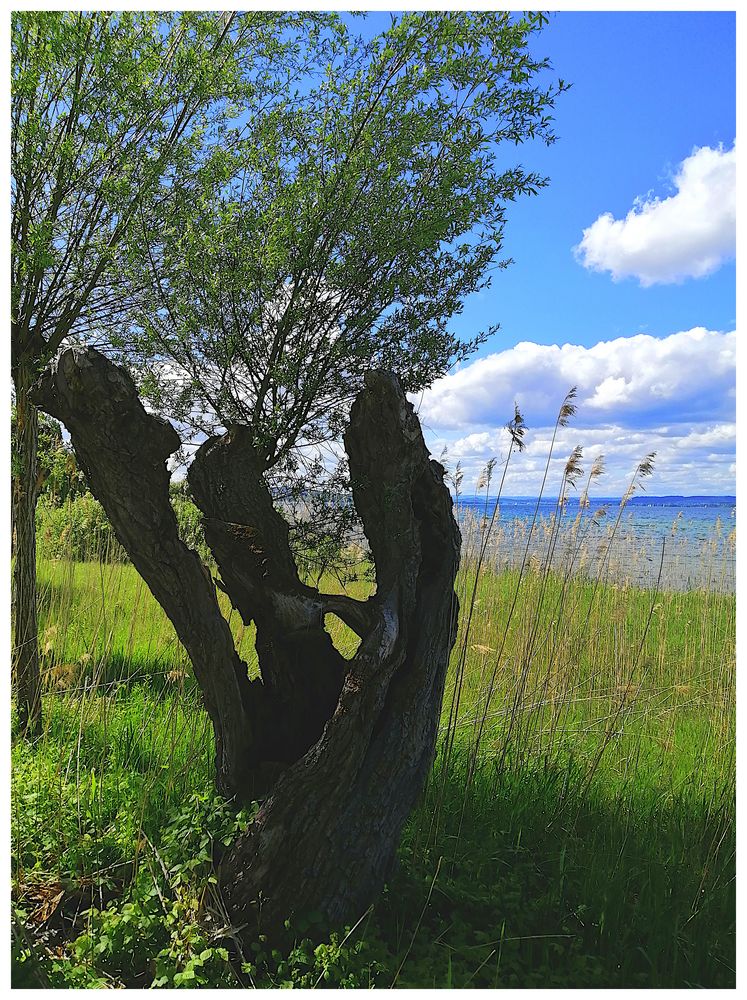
{"x":679,"y":542}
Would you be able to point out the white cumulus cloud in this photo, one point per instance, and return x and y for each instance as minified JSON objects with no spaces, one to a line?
{"x":661,"y":241}
{"x":673,"y":395}
{"x":688,"y":459}
{"x":632,"y":380}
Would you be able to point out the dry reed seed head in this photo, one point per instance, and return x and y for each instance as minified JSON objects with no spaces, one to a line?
{"x":517,"y":428}
{"x":456,"y":477}
{"x":486,"y":475}
{"x":597,"y":467}
{"x":646,"y":467}
{"x":573,"y":471}
{"x":568,"y":409}
{"x":627,"y":494}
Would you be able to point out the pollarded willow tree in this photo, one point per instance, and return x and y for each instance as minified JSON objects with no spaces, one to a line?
{"x":317,"y":261}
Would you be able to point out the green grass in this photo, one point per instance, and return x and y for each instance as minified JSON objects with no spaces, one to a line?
{"x":577,"y":830}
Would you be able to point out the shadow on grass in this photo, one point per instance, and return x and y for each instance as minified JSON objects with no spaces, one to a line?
{"x":546,"y":886}
{"x":531,"y":880}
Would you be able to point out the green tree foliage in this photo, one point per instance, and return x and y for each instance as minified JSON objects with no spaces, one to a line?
{"x":108,"y":109}
{"x":74,"y":526}
{"x":58,"y":477}
{"x":341,"y":228}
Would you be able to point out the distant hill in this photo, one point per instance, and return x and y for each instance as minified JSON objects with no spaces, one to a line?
{"x":685,"y":501}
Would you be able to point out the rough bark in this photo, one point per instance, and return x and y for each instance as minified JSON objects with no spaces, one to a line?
{"x":342,"y":747}
{"x":23,"y":500}
{"x":123,"y":451}
{"x":326,"y":837}
{"x":301,"y":669}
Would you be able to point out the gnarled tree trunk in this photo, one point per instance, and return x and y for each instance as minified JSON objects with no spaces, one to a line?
{"x":339,"y":750}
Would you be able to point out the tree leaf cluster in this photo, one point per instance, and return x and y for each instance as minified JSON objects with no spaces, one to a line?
{"x":339,"y":226}
{"x":107,"y":109}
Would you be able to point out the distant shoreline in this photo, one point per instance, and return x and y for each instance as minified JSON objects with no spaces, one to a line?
{"x":666,"y":499}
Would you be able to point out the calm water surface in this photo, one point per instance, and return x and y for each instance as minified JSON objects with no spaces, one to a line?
{"x":677,"y":542}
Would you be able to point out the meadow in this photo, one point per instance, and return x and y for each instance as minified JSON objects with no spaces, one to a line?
{"x":577,"y":829}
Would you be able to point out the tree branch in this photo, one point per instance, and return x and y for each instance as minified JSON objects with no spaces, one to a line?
{"x":123,"y":451}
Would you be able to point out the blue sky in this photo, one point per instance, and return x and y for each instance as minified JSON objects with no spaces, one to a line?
{"x":642,"y":316}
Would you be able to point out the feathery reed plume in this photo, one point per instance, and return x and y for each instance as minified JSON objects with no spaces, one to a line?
{"x":455,"y":478}
{"x":597,"y":516}
{"x":573,"y":471}
{"x":644,"y":469}
{"x":483,"y":483}
{"x":517,"y":428}
{"x":597,"y":470}
{"x":571,"y":475}
{"x":568,"y":409}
